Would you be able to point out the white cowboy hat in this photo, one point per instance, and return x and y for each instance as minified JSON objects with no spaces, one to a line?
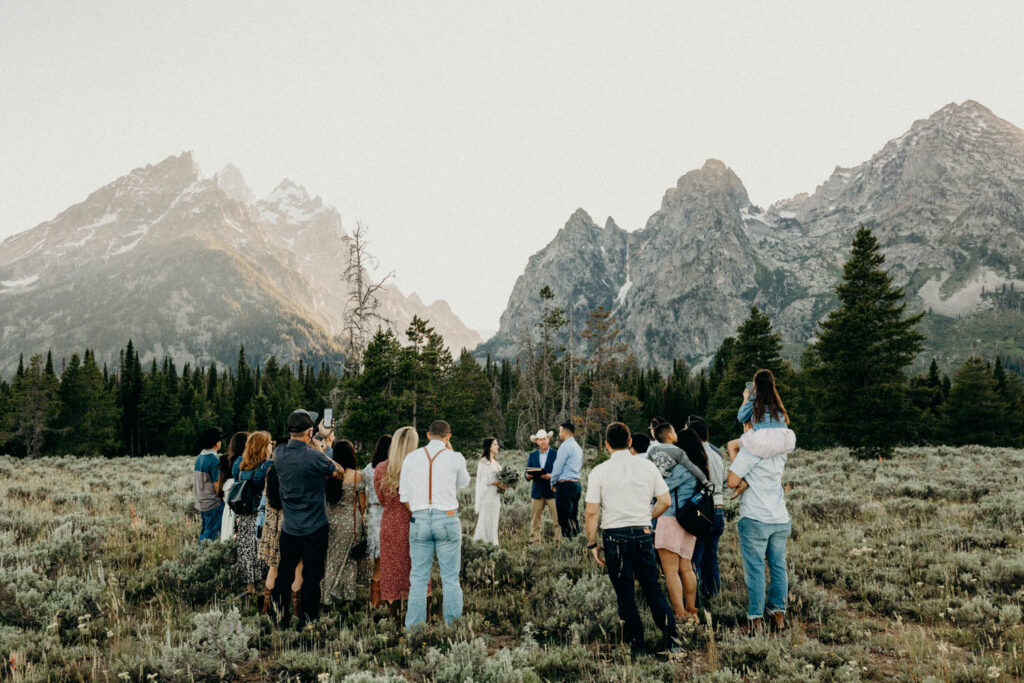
{"x":541,"y":434}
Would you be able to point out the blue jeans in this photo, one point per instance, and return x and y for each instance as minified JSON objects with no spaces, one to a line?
{"x":705,"y":558}
{"x":629,"y":554}
{"x":758,"y":542}
{"x":434,"y":532}
{"x":211,"y":524}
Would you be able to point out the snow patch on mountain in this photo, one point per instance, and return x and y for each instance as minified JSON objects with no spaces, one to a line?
{"x":23,"y":282}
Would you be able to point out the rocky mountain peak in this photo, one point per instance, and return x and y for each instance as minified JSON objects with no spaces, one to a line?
{"x":231,"y":180}
{"x":714,"y":180}
{"x":944,"y":199}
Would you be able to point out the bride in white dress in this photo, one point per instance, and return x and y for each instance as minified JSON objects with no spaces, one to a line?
{"x":488,"y":500}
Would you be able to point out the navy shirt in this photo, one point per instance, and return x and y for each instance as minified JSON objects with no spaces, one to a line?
{"x":302,"y":475}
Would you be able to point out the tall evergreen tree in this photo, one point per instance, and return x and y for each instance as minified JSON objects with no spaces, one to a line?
{"x":32,"y":407}
{"x":129,"y":397}
{"x":976,"y":411}
{"x":374,"y":405}
{"x":864,"y":346}
{"x":89,"y":417}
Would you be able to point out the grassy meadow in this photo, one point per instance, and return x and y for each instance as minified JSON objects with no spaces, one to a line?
{"x":909,"y":569}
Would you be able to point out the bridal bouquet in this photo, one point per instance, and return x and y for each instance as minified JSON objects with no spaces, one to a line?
{"x":508,"y":477}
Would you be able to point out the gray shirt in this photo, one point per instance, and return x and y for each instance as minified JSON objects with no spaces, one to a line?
{"x":302,"y":472}
{"x":716,"y":466}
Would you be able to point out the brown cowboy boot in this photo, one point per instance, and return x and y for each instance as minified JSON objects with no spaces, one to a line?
{"x":755,"y":627}
{"x":268,"y":596}
{"x":778,"y":622}
{"x":296,"y":603}
{"x":374,"y":593}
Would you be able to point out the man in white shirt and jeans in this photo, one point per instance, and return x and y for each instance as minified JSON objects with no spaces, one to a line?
{"x":429,"y":483}
{"x":620,"y":490}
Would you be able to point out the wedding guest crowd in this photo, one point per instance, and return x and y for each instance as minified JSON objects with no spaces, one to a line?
{"x":324,"y":529}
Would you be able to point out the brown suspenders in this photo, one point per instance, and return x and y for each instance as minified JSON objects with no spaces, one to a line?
{"x":430,"y":474}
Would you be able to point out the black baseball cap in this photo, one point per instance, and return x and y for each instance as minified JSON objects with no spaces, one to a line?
{"x":300,"y":420}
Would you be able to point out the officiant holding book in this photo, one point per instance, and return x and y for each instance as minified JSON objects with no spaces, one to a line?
{"x":538,"y":471}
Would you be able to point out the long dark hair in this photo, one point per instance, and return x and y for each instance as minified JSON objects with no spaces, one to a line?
{"x":691,"y":444}
{"x":486,"y":453}
{"x":235,"y":449}
{"x":344,"y":455}
{"x":766,"y":398}
{"x":380,"y":451}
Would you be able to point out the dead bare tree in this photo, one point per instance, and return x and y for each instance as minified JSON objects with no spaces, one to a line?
{"x":363,"y":315}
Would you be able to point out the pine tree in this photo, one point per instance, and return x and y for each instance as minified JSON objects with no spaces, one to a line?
{"x":976,"y":411}
{"x":606,"y":400}
{"x":466,"y":403}
{"x":374,"y":406}
{"x":129,"y":396}
{"x":244,"y":390}
{"x":89,"y":417}
{"x":32,"y":406}
{"x":864,"y":346}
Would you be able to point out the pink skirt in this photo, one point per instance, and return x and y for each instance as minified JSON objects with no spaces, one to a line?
{"x":668,"y":535}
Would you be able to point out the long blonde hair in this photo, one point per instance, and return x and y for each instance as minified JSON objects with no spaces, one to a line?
{"x":404,"y":442}
{"x":255,"y":453}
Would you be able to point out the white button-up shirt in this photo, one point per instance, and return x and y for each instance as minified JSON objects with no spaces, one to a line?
{"x":421,"y":491}
{"x":624,"y":485}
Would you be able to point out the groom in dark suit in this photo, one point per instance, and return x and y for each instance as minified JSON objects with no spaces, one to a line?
{"x":538,"y":470}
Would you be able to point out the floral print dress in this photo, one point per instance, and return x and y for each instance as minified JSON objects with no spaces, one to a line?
{"x":341,"y":575}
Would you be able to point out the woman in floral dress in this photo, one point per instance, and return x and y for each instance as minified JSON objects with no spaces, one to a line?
{"x":346,"y":508}
{"x":394,"y":524}
{"x":253,"y":465}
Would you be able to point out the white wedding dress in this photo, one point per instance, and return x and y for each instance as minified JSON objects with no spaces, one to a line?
{"x":488,"y":502}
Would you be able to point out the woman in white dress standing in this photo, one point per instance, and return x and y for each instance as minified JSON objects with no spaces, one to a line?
{"x":488,"y":499}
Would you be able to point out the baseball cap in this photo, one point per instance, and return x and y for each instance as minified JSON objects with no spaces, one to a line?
{"x":300,"y":420}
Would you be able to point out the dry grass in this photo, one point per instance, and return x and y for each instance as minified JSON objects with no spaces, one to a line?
{"x":910,"y":569}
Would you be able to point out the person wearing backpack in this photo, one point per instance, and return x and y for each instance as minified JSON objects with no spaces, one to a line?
{"x":250,"y":473}
{"x":685,"y":454}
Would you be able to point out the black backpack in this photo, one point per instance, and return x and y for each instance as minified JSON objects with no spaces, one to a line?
{"x":243,"y":498}
{"x":697,"y":513}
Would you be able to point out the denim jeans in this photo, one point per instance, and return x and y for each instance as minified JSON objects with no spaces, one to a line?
{"x":567,"y":502}
{"x":311,"y":549}
{"x":434,"y":532}
{"x":705,"y":558}
{"x":211,"y":524}
{"x":758,"y":542}
{"x":629,"y":555}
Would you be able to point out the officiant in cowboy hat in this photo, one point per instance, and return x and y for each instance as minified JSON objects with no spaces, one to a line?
{"x":538,"y":470}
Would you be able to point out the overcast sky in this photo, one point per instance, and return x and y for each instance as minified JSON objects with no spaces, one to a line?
{"x":465,"y":133}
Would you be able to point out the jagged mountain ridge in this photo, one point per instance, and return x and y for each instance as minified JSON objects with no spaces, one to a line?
{"x":190,"y":267}
{"x":946,"y":200}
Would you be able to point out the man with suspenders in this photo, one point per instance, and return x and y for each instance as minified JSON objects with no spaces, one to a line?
{"x":429,"y":483}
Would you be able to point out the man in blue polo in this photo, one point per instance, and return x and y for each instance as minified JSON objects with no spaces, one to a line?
{"x":205,"y":484}
{"x":302,"y":473}
{"x":565,"y":480}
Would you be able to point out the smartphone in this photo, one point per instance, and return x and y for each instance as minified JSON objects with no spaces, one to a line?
{"x":750,"y":388}
{"x":329,"y":417}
